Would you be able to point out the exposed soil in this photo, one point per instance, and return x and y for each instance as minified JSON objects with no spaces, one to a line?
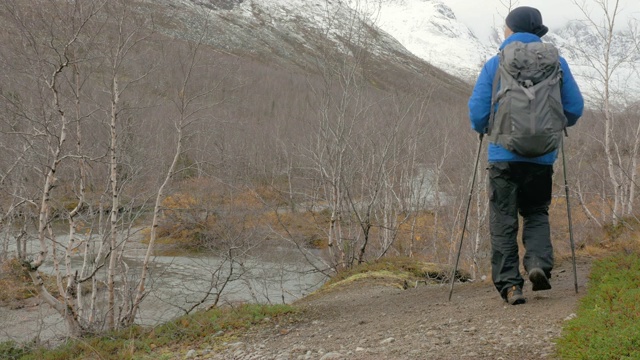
{"x":366,"y":320}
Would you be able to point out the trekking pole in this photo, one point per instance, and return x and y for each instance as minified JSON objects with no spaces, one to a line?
{"x":466,"y":215}
{"x":566,"y":190}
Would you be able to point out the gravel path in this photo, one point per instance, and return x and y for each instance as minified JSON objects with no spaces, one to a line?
{"x":369,"y":321}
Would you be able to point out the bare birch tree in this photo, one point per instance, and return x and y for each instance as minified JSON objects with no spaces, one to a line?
{"x":612,"y":56}
{"x":132,"y":31}
{"x":52,"y":39}
{"x":190,"y":105}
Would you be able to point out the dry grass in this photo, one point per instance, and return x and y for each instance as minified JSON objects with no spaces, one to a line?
{"x":392,"y":271}
{"x":201,"y":212}
{"x":16,"y":284}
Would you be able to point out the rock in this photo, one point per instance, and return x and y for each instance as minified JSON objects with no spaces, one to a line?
{"x":299,"y":349}
{"x":332,"y":356}
{"x":387,"y":341}
{"x":190,"y":354}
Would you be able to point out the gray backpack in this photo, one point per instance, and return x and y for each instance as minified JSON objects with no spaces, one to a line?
{"x":530,"y":119}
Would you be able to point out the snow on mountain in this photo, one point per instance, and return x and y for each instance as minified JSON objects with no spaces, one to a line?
{"x":427,"y":29}
{"x":302,"y":33}
{"x":430,"y":30}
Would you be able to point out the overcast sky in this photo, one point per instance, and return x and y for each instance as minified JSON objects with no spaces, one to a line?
{"x":480,"y":15}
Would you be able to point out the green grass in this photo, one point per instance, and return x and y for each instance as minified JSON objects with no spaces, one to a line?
{"x":608,"y":321}
{"x":174,"y":338}
{"x":10,"y":350}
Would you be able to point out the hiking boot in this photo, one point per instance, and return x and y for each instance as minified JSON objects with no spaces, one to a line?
{"x":514,"y":296}
{"x":539,"y":280}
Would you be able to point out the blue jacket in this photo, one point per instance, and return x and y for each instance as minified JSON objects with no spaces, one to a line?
{"x":480,"y":103}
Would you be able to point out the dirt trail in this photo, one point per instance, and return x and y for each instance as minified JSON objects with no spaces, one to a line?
{"x":368,"y":321}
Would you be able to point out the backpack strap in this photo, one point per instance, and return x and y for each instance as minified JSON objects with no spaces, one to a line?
{"x":494,"y":100}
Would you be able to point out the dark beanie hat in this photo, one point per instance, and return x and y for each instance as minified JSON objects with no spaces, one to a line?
{"x":526,"y":19}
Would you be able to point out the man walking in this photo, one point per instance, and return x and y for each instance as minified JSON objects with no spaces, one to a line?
{"x":520,"y":184}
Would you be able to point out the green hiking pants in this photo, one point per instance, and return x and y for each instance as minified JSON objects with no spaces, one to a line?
{"x":525,"y":189}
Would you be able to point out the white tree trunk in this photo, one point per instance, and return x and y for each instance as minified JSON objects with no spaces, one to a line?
{"x":115,"y":204}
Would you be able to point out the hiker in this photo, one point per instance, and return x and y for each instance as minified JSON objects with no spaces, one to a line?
{"x":518,"y":183}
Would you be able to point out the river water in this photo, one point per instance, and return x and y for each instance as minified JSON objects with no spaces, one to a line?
{"x":271,"y":275}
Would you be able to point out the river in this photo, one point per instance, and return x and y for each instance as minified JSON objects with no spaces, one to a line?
{"x":271,"y":275}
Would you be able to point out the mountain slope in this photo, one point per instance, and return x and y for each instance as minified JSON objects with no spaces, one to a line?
{"x":431,"y":31}
{"x":300,"y":35}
